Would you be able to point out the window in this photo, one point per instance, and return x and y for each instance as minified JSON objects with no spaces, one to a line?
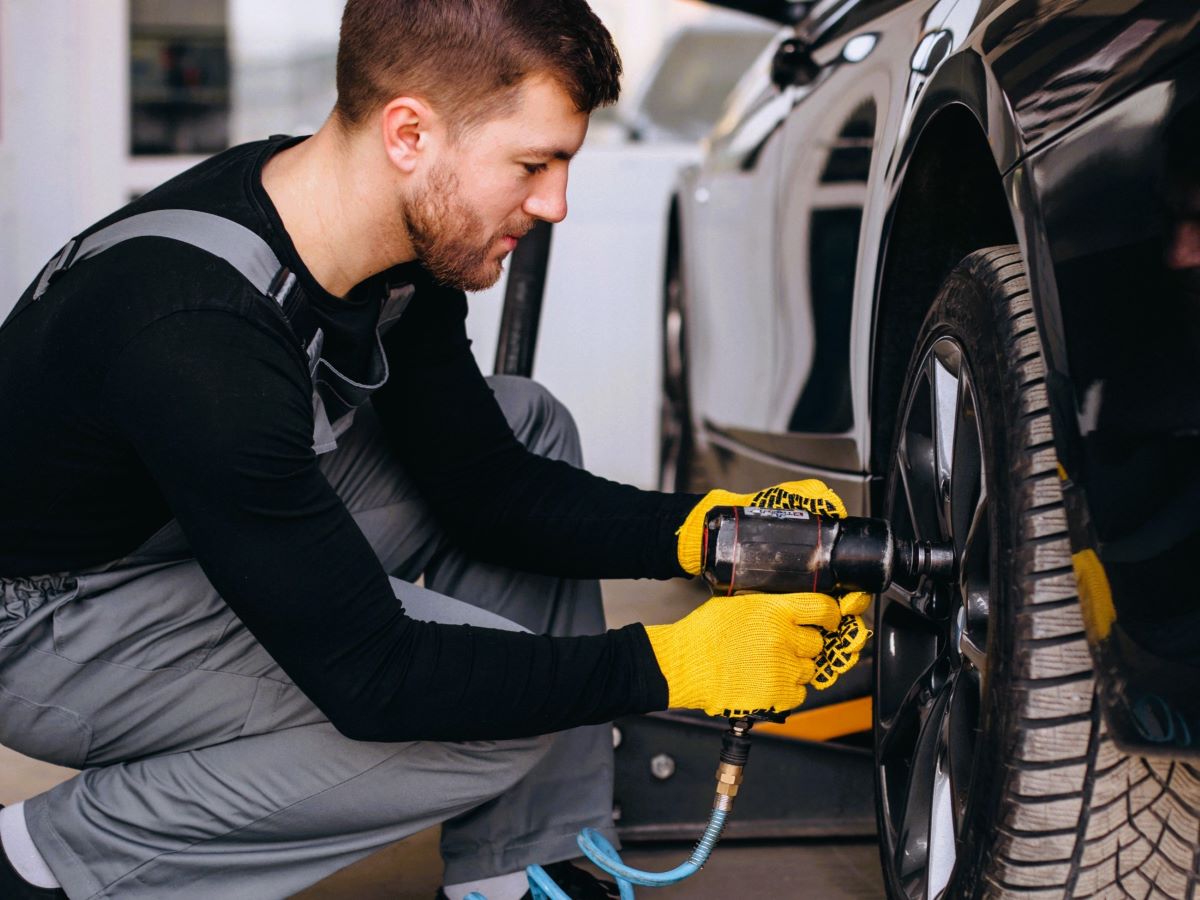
{"x":179,"y":76}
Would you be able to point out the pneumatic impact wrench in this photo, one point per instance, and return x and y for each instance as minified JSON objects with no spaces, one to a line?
{"x":782,"y":551}
{"x":751,"y":549}
{"x":777,"y":551}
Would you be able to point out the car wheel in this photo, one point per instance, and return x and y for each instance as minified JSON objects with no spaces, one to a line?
{"x":675,"y":427}
{"x":995,"y":774}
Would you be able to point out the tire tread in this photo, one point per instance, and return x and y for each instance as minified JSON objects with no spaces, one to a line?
{"x":1103,"y":824}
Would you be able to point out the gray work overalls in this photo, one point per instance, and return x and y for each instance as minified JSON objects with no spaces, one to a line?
{"x":207,"y":773}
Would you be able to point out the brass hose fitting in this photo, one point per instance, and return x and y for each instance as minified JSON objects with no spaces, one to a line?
{"x":735,"y":750}
{"x":729,"y":779}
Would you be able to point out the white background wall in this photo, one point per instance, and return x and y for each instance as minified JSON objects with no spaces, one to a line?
{"x":64,"y":120}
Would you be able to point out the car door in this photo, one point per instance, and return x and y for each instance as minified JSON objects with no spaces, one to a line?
{"x":728,"y":214}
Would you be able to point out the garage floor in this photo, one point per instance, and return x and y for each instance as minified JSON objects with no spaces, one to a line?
{"x":746,"y":870}
{"x":411,"y":869}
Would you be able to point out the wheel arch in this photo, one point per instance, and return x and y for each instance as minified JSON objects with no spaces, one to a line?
{"x":949,"y":200}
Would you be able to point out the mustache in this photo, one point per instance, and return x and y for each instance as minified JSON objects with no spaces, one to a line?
{"x":517,"y":230}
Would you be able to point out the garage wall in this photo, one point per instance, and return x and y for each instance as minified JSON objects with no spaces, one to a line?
{"x":63,"y":102}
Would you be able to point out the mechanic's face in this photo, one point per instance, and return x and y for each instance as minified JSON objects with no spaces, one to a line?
{"x":490,"y":186}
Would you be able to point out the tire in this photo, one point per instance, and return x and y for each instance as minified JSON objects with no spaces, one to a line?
{"x":676,"y":446}
{"x":995,"y":774}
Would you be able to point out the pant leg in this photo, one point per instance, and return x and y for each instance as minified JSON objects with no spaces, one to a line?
{"x":260,"y":815}
{"x":572,"y":787}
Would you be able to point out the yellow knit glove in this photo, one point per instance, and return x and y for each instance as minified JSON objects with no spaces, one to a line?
{"x":811,"y":494}
{"x":841,"y":647}
{"x":734,"y":655}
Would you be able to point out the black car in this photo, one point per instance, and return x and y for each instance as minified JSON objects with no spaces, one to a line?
{"x":945,"y":255}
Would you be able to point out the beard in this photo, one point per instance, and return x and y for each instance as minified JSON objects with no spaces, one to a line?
{"x":449,"y":237}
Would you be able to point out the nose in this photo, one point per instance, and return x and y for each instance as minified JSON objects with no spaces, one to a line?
{"x":548,"y":200}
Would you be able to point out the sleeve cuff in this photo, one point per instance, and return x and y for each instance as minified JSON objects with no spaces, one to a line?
{"x":650,"y":691}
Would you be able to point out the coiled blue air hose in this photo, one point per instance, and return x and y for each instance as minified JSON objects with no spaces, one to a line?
{"x":734,"y":751}
{"x":601,"y":852}
{"x":597,"y":848}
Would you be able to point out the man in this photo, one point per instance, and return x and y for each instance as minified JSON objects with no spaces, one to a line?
{"x":236,"y":406}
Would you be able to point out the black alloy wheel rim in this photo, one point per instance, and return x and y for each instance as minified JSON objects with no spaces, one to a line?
{"x":932,"y":638}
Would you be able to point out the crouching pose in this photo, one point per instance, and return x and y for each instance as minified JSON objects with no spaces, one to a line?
{"x":241,"y":419}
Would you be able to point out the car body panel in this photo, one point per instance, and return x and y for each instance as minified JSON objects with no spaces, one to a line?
{"x":1128,"y":397}
{"x":1073,"y":99}
{"x":1057,"y":63}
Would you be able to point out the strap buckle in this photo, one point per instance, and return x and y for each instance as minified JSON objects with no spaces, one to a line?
{"x":58,"y":264}
{"x":281,"y":287}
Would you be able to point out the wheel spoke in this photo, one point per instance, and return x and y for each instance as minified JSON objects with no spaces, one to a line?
{"x":913,"y":833}
{"x":974,"y":585}
{"x":916,"y":465}
{"x":974,"y":547}
{"x":916,"y":602}
{"x":951,"y":780}
{"x":905,"y":651}
{"x":972,"y":652}
{"x":909,"y":711}
{"x":961,"y":729}
{"x":942,"y":853}
{"x":916,"y":477}
{"x":904,"y":525}
{"x":900,"y":734}
{"x":967,"y":485}
{"x":944,"y":392}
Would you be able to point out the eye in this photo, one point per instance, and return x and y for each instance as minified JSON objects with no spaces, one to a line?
{"x":533,"y":168}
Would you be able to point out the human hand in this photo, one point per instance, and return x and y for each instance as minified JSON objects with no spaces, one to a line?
{"x":811,"y":495}
{"x":841,"y":647}
{"x":735,"y":655}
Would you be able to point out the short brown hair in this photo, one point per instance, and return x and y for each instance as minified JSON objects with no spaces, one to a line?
{"x":467,"y":58}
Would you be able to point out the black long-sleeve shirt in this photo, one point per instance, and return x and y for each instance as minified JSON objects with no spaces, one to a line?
{"x":153,"y":382}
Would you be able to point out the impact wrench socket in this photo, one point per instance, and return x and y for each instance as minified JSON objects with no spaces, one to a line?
{"x":779,"y":551}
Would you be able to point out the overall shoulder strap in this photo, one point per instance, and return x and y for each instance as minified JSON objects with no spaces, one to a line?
{"x":222,"y":237}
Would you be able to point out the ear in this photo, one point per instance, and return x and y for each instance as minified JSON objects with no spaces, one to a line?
{"x":407,"y":126}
